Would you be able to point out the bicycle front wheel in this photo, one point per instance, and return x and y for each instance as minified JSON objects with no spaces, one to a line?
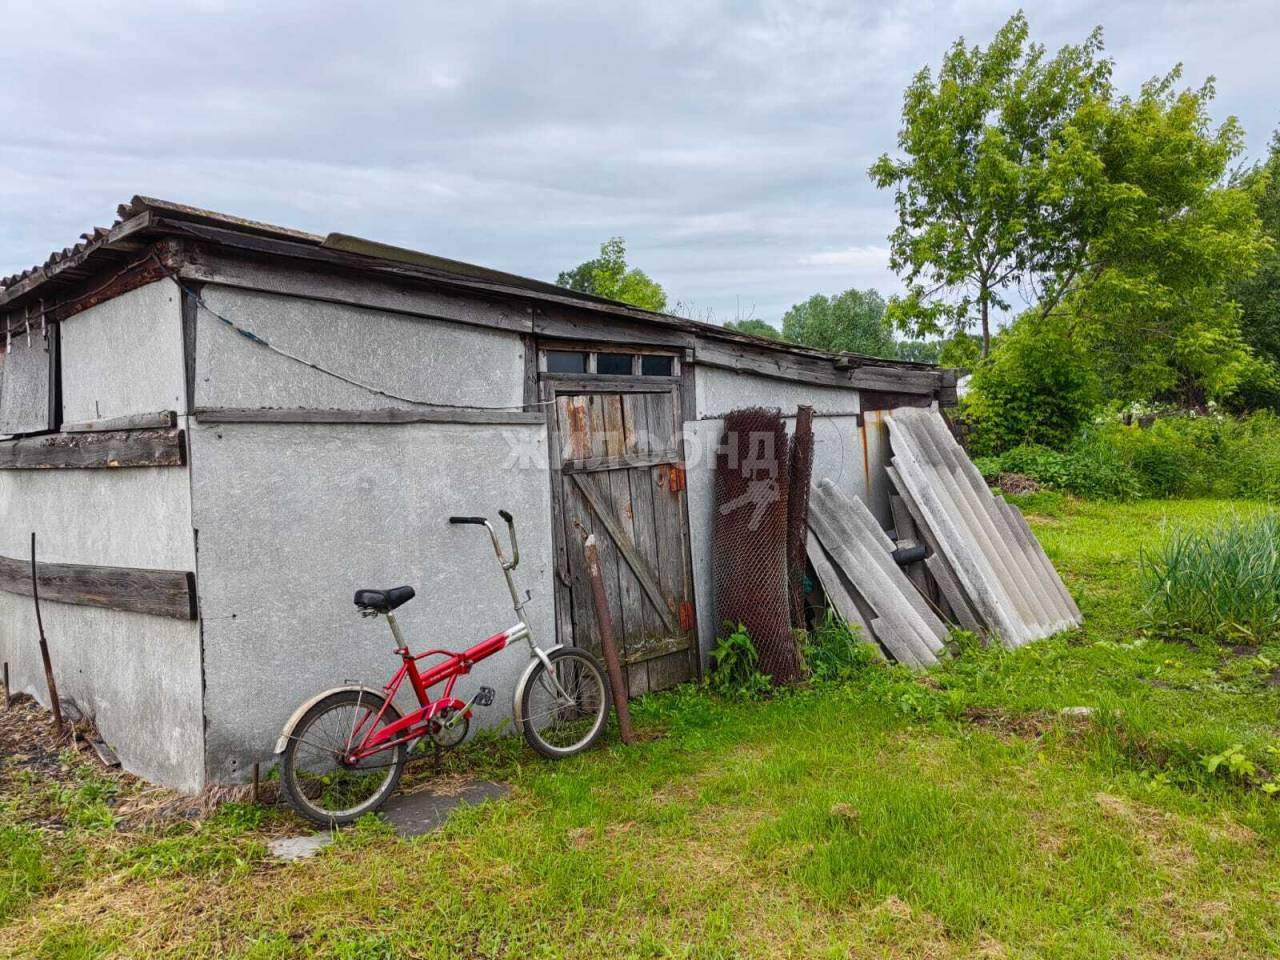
{"x":563,"y":710}
{"x":318,"y":779}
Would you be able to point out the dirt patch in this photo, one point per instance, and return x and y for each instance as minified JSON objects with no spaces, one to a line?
{"x":28,"y":742}
{"x":36,"y":760}
{"x":1015,"y":483}
{"x":1031,"y":726}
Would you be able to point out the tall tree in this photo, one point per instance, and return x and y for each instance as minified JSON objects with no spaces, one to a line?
{"x":608,"y":276}
{"x":853,"y":322}
{"x":1152,"y":294}
{"x":755,"y":327}
{"x":1259,"y":294}
{"x":989,"y":191}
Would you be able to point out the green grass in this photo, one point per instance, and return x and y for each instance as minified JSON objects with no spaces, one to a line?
{"x":1220,"y":584}
{"x":955,"y":814}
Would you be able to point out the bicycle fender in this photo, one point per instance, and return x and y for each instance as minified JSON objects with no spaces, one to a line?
{"x":307,"y":705}
{"x":518,"y":696}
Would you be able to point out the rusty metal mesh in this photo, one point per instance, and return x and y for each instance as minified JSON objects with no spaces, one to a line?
{"x":799,"y":476}
{"x":749,"y":562}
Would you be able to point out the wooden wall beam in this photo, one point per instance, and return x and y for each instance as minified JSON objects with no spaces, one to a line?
{"x":160,"y":593}
{"x":117,"y":448}
{"x":132,"y":421}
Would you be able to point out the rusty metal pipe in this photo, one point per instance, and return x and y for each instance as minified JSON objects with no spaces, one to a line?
{"x":44,"y":644}
{"x":608,"y":645}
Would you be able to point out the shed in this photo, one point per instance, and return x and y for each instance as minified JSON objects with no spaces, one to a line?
{"x":219,"y":429}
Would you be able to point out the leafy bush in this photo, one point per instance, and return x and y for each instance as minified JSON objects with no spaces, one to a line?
{"x":836,"y":651}
{"x":1038,"y":387}
{"x":1179,"y":456}
{"x":734,"y":667}
{"x":1220,"y":584}
{"x":1088,"y":469}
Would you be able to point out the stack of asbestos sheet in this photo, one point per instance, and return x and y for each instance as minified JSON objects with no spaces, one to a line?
{"x":853,"y":558}
{"x":988,"y":565}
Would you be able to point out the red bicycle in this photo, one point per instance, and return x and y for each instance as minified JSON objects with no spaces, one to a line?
{"x":344,"y":750}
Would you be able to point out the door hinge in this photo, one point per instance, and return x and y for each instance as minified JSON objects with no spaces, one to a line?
{"x":676,"y":480}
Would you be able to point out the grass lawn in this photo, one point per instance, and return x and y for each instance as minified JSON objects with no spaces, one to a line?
{"x":953,"y":814}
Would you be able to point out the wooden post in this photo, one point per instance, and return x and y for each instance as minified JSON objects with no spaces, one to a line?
{"x":607,"y":644}
{"x":8,"y":697}
{"x":44,"y":644}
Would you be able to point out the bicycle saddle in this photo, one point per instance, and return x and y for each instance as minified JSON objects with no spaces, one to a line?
{"x":383,"y":601}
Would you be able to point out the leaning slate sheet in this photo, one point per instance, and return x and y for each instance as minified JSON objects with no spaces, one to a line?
{"x":1005,"y":576}
{"x":856,"y":546}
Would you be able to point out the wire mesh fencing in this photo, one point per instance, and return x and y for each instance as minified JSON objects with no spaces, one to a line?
{"x":749,"y":561}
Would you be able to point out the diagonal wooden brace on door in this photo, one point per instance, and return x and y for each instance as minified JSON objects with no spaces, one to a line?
{"x":625,"y":547}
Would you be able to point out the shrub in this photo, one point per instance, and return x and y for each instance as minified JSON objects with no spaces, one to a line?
{"x":1038,"y":387}
{"x":1174,"y":457}
{"x":734,"y":667}
{"x":1090,"y":468}
{"x":1221,"y":584}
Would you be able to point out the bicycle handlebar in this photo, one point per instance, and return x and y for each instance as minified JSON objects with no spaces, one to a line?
{"x":497,"y":547}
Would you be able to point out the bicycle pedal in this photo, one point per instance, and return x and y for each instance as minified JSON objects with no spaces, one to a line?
{"x":484,"y":697}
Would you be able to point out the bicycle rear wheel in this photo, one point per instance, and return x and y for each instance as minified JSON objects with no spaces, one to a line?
{"x":563,"y":711}
{"x":316,"y":777}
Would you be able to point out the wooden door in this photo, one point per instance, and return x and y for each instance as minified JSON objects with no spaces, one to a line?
{"x":619,"y":475}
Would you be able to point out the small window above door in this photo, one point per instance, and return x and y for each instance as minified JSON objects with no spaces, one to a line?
{"x":639,"y":362}
{"x":616,"y":364}
{"x":657,"y":365}
{"x":567,"y":361}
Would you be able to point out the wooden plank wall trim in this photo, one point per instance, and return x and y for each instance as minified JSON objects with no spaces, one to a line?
{"x":385,"y":415}
{"x":95,"y":450}
{"x":160,"y":593}
{"x":165,"y":419}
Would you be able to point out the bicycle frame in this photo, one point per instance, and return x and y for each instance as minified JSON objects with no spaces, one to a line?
{"x":366,"y":739}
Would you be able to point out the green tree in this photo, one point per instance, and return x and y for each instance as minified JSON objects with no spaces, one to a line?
{"x":853,"y":322}
{"x":1038,"y":386}
{"x":757,"y":328}
{"x":962,"y":351}
{"x":608,"y":276}
{"x":1151,"y":298}
{"x":993,"y":189}
{"x":1259,"y":294}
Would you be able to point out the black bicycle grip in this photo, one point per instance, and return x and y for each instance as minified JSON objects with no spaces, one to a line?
{"x":480,"y":520}
{"x":504,"y":515}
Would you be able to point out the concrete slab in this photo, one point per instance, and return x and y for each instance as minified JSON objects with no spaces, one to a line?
{"x":414,"y":814}
{"x":290,"y":849}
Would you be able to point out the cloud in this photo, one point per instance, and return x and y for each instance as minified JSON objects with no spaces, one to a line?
{"x":727,"y":141}
{"x":857,"y":258}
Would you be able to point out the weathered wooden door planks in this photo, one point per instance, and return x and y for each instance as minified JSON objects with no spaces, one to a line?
{"x":618,"y":473}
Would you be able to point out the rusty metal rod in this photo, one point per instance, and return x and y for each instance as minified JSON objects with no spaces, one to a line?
{"x":44,"y":644}
{"x":607,"y":644}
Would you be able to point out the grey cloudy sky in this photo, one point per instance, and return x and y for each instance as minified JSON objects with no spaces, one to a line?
{"x":727,"y":142}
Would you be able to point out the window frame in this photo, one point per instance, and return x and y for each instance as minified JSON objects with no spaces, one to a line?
{"x":593,"y":350}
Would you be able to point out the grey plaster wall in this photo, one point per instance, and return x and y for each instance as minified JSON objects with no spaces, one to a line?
{"x":721,"y":391}
{"x":420,"y":359}
{"x":843,"y":451}
{"x":139,"y":676}
{"x":293,"y":519}
{"x":24,"y":384}
{"x":124,"y":356}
